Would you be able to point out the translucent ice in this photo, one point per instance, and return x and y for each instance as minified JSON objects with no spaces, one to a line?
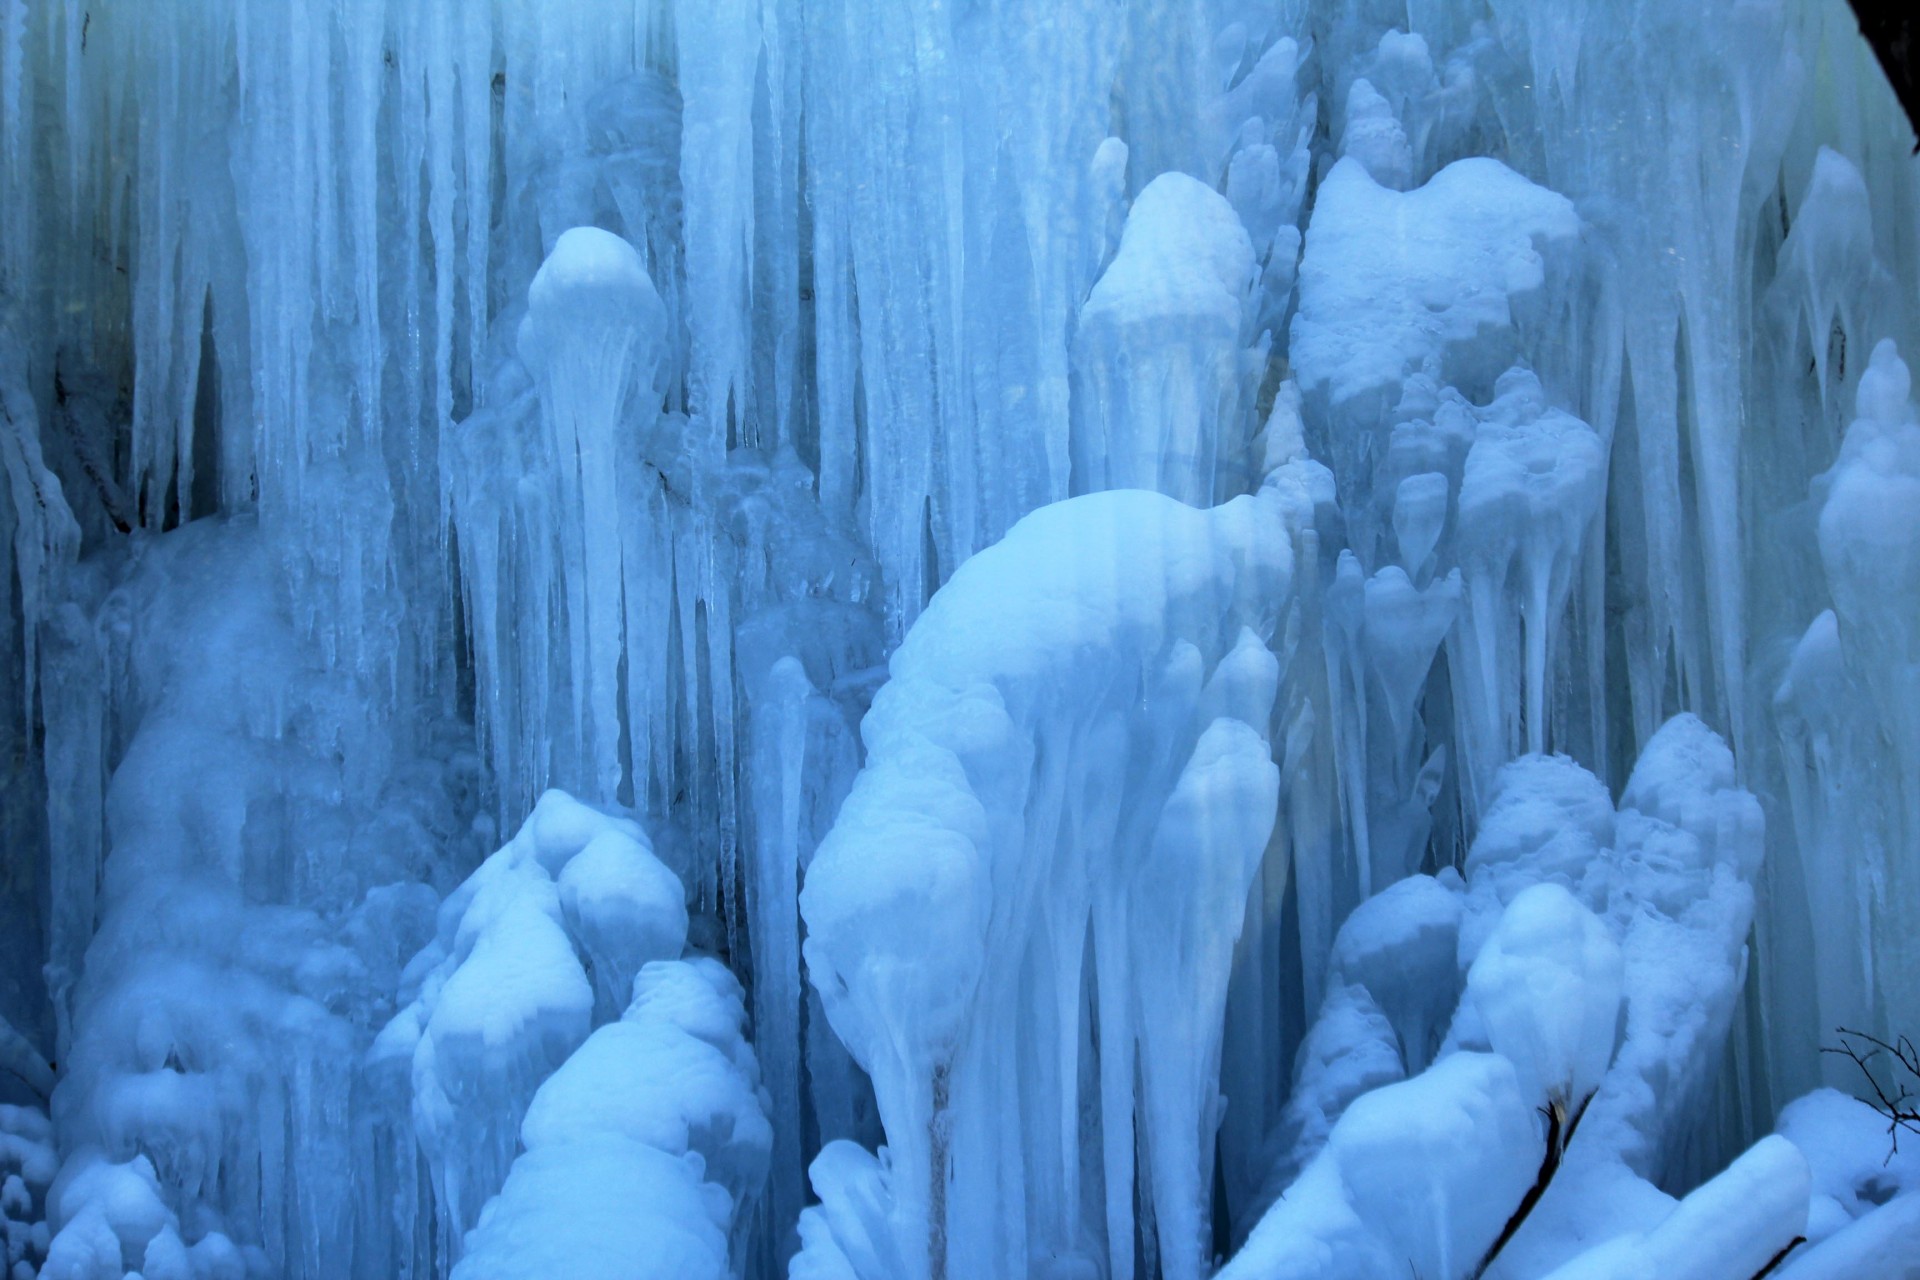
{"x":1160,"y":351}
{"x":1263,"y":472}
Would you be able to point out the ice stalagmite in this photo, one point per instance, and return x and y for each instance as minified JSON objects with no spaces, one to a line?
{"x":504,"y":997}
{"x":1843,"y":708}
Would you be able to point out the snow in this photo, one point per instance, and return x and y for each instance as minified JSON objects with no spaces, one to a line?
{"x":1394,"y":283}
{"x":1733,"y":1225}
{"x":908,"y":641}
{"x":1854,"y":1165}
{"x":645,"y":1149}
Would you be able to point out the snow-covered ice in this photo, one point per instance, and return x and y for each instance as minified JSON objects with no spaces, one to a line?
{"x":885,"y":640}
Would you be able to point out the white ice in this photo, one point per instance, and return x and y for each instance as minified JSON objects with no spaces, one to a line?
{"x":882,"y":640}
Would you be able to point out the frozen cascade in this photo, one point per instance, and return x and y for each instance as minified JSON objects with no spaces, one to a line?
{"x":209,"y":1054}
{"x":1148,"y":605}
{"x":1085,"y":813}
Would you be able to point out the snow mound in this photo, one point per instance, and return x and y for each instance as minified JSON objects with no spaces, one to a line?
{"x":644,"y":1151}
{"x":503,"y":998}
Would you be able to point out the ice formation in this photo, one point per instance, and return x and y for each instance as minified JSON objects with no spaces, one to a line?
{"x":1119,"y":642}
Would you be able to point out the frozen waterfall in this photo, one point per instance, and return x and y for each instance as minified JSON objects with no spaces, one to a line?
{"x":1008,"y":640}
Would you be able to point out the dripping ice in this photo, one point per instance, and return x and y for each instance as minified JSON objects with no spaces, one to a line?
{"x":880,"y":641}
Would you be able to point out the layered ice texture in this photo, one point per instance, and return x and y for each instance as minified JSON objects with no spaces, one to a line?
{"x":875,"y":640}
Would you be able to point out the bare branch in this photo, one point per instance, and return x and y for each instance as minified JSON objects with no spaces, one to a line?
{"x":1560,"y":1127}
{"x":1774,"y":1262}
{"x":1898,"y":1106}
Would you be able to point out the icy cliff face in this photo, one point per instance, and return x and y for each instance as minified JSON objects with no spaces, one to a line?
{"x":1258,"y":634}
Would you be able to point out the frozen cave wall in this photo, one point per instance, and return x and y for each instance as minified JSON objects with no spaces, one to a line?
{"x":1261,"y":634}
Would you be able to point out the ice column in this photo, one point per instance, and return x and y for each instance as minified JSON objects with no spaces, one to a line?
{"x":1069,"y":762}
{"x":593,"y":337}
{"x":1851,"y":700}
{"x":1162,"y":386}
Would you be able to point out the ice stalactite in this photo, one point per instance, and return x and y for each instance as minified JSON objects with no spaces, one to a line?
{"x":39,"y":545}
{"x":1465,"y":525}
{"x":1850,"y":707}
{"x":1529,"y":501}
{"x":1062,"y":830}
{"x":593,"y":338}
{"x":1663,"y":349}
{"x":804,"y":754}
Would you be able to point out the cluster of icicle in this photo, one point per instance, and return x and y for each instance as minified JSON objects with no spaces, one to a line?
{"x":713,"y":408}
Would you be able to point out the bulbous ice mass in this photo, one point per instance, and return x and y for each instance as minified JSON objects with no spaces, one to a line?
{"x":883,"y":640}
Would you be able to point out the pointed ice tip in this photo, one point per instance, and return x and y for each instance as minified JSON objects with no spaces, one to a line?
{"x":1885,"y":387}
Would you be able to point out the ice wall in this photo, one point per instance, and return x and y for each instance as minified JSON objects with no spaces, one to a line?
{"x":410,"y":407}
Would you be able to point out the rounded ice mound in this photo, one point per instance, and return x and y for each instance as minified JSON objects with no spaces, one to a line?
{"x":593,"y":284}
{"x":703,"y":998}
{"x":1436,"y":1163}
{"x":1549,"y":819}
{"x":644,"y":1151}
{"x":675,"y":1074}
{"x":1886,"y":388}
{"x":625,"y":908}
{"x":561,"y":826}
{"x":1684,"y":808}
{"x":610,"y":1209}
{"x":1400,"y":945}
{"x":503,"y":997}
{"x":1183,"y":254}
{"x":95,"y":1201}
{"x":1547,"y":986}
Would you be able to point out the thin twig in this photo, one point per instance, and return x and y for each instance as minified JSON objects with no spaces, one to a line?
{"x":1898,"y":1107}
{"x":1560,"y":1127}
{"x":1779,"y":1258}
